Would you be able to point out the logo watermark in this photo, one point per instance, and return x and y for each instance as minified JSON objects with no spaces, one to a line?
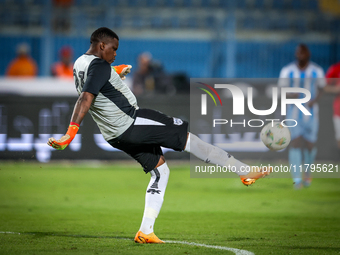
{"x":230,"y":114}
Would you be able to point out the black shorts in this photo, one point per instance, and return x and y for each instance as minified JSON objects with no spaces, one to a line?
{"x":151,"y":130}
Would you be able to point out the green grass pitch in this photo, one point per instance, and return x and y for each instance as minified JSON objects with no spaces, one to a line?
{"x":86,"y":208}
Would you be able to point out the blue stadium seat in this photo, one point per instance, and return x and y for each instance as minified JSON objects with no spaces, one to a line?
{"x":278,"y":5}
{"x":335,"y":28}
{"x":23,"y":18}
{"x":313,"y":5}
{"x":192,"y":22}
{"x":6,"y":18}
{"x":301,"y":25}
{"x":273,"y":23}
{"x":117,"y":21}
{"x":39,"y":2}
{"x":86,"y":3}
{"x":248,"y":23}
{"x":240,"y":4}
{"x":77,"y":2}
{"x":151,"y":3}
{"x":210,"y":21}
{"x":205,"y":3}
{"x":283,"y":23}
{"x":286,"y":5}
{"x":94,"y":3}
{"x":321,"y":24}
{"x":297,"y":5}
{"x":119,"y":3}
{"x":110,"y":3}
{"x":214,"y":3}
{"x":156,"y":22}
{"x":182,"y":22}
{"x":174,"y":22}
{"x":80,"y":22}
{"x":134,"y":3}
{"x":36,"y":18}
{"x":19,"y":2}
{"x":259,"y":4}
{"x":264,"y":22}
{"x":137,"y":22}
{"x":166,"y":22}
{"x":103,"y":4}
{"x":100,"y":21}
{"x":187,"y":3}
{"x":170,"y":3}
{"x":225,"y":4}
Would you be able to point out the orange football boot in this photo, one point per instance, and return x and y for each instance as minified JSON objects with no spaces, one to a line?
{"x":150,"y":238}
{"x":255,"y":174}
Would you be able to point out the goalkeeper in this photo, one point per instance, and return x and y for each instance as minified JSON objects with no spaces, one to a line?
{"x":138,"y":132}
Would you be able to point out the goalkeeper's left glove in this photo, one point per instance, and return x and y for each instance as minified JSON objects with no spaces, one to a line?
{"x":122,"y":70}
{"x":65,"y":140}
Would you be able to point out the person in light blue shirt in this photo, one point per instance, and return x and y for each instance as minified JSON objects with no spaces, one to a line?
{"x":303,"y":74}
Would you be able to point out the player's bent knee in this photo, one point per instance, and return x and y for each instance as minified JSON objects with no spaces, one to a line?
{"x":161,"y":161}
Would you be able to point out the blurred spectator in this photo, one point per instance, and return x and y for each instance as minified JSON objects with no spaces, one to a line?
{"x":150,"y":77}
{"x":143,"y":80}
{"x":61,"y":15}
{"x":64,"y":68}
{"x":333,"y":81}
{"x":303,"y":74}
{"x":23,"y":64}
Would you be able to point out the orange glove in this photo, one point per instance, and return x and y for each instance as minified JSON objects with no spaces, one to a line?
{"x":65,"y":140}
{"x":122,"y":70}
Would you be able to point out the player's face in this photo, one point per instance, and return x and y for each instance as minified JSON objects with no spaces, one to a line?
{"x":109,"y":50}
{"x":302,"y":54}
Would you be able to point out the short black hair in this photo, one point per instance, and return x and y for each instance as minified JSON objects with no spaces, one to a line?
{"x":303,"y":46}
{"x":101,"y":33}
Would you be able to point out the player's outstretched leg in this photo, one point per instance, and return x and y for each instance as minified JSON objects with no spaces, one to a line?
{"x":153,"y":203}
{"x":309,"y":157}
{"x":295,"y":159}
{"x":212,"y":154}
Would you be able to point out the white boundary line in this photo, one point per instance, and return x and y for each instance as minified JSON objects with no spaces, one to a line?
{"x":234,"y":250}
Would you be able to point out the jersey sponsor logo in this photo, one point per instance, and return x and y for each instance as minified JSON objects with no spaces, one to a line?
{"x":178,"y":121}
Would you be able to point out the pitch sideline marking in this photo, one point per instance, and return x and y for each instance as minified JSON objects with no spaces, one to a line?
{"x":234,"y":250}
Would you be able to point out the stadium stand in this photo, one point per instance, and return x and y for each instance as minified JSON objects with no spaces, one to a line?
{"x":29,"y":14}
{"x":207,"y":20}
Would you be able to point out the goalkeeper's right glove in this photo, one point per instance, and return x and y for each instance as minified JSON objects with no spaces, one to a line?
{"x":65,"y":140}
{"x":122,"y":70}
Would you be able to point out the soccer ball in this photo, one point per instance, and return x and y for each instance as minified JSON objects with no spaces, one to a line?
{"x":275,"y":136}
